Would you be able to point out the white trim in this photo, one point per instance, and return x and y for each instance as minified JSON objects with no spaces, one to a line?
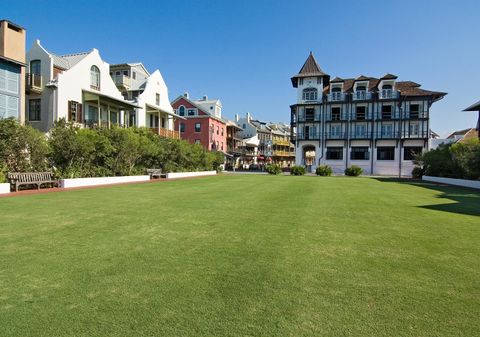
{"x":83,"y":182}
{"x":4,"y":188}
{"x":453,"y":181}
{"x":175,"y":175}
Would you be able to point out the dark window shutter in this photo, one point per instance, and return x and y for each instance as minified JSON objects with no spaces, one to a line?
{"x":70,"y":110}
{"x":79,"y":113}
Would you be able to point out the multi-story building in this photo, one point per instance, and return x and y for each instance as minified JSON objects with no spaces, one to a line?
{"x":150,"y":93}
{"x":77,"y":87}
{"x":12,"y":71}
{"x":283,"y":150}
{"x":203,"y":123}
{"x":379,"y":124}
{"x":234,"y":144}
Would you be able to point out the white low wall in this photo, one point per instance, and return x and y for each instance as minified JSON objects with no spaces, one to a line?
{"x":83,"y":182}
{"x":174,"y":175}
{"x":4,"y":188}
{"x":452,"y":181}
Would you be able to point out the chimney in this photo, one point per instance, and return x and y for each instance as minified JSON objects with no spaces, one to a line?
{"x":237,"y":118}
{"x":186,"y":94}
{"x":205,"y":97}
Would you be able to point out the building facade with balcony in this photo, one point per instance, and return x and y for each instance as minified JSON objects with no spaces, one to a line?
{"x":379,"y":124}
{"x":283,"y":150}
{"x":200,"y":124}
{"x":77,"y":87}
{"x":12,"y":71}
{"x":234,"y":144}
{"x":150,"y":93}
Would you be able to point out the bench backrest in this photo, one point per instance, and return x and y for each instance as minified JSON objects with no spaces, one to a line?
{"x":25,"y":177}
{"x":154,"y":171}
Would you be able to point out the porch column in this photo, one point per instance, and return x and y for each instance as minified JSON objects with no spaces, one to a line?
{"x":99,"y":112}
{"x":108,"y":116}
{"x":159,"y":122}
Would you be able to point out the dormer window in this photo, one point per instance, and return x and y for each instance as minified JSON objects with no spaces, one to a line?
{"x":95,"y":78}
{"x":310,"y":94}
{"x":361,"y":88}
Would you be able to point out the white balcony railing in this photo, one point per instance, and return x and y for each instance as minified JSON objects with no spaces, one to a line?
{"x":361,"y":95}
{"x":336,"y":96}
{"x":122,"y":80}
{"x":388,"y":94}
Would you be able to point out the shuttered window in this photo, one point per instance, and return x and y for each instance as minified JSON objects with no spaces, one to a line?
{"x":9,"y":106}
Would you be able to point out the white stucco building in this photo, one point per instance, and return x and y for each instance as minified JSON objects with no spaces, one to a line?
{"x":77,"y":87}
{"x":150,"y":94}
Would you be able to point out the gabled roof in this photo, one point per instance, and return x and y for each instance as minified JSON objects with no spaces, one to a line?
{"x":388,"y":77}
{"x":131,"y":65}
{"x":337,"y":80}
{"x":194,"y":103}
{"x":309,"y":69}
{"x":67,"y":61}
{"x":362,"y":78}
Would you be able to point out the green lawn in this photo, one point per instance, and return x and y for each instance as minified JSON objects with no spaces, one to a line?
{"x":242,"y":256}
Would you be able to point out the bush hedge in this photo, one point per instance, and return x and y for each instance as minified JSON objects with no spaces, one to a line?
{"x":353,"y":171}
{"x":73,"y":152}
{"x":273,"y":169}
{"x":297,"y":171}
{"x":460,"y":160}
{"x":324,"y":171}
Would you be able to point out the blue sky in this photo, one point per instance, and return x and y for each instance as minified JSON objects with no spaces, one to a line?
{"x":244,"y":52}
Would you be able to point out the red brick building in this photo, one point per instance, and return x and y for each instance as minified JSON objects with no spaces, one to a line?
{"x":204,"y":124}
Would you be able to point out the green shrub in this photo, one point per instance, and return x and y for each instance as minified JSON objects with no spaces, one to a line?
{"x":324,"y":171}
{"x":353,"y":171}
{"x":297,"y":171}
{"x":273,"y":169}
{"x":417,"y":172}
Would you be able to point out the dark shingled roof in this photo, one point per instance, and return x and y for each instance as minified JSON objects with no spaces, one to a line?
{"x":362,"y":78}
{"x":309,"y":69}
{"x":389,"y":77}
{"x":473,"y":107}
{"x":336,"y":80}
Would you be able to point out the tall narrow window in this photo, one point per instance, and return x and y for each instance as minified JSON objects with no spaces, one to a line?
{"x":95,"y":78}
{"x":182,"y":127}
{"x":157,"y":99}
{"x":386,"y":112}
{"x":181,"y":110}
{"x":34,"y":110}
{"x":336,"y":114}
{"x":35,"y":67}
{"x":197,"y":127}
{"x":414,"y":110}
{"x":360,"y":112}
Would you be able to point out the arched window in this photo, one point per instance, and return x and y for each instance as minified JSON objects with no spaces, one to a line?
{"x":181,"y":110}
{"x":310,"y":94}
{"x":95,"y":78}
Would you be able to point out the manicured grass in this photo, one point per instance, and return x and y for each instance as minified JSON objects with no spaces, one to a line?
{"x":242,"y":256}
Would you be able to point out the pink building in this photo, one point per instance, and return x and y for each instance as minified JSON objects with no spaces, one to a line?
{"x":204,"y":124}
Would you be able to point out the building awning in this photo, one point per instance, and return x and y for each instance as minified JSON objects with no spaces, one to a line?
{"x":473,"y":107}
{"x":90,"y":95}
{"x":155,"y":109}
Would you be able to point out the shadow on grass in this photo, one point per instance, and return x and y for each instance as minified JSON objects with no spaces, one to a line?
{"x":467,"y":201}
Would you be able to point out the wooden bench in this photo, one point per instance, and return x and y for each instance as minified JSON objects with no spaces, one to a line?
{"x":154,"y":173}
{"x":31,"y":178}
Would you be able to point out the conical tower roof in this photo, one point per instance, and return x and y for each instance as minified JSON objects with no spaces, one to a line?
{"x":309,"y":69}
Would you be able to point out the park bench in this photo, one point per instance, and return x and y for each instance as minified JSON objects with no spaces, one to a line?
{"x":18,"y":179}
{"x":154,"y":173}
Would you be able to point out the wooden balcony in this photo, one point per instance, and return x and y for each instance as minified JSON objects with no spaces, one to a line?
{"x":283,"y":142}
{"x":162,"y":132}
{"x":33,"y":83}
{"x":283,"y":154}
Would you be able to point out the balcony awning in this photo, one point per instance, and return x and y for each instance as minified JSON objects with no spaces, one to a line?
{"x":155,"y":109}
{"x":90,"y":95}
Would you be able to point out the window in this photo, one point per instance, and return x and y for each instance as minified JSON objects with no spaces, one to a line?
{"x":91,"y":114}
{"x":134,"y":75}
{"x":157,"y":99}
{"x":191,"y":112}
{"x":117,"y":73}
{"x":221,"y":148}
{"x":335,"y":130}
{"x":335,"y":153}
{"x":310,"y":94}
{"x":309,"y":114}
{"x":337,"y":89}
{"x":222,"y":131}
{"x":181,"y":110}
{"x":336,"y":114}
{"x":360,"y":130}
{"x":9,"y":106}
{"x":182,"y":127}
{"x":95,"y":78}
{"x":386,"y":153}
{"x":35,"y":67}
{"x":197,"y":141}
{"x":411,"y":152}
{"x":300,"y":81}
{"x":75,"y":112}
{"x":359,"y":153}
{"x":414,"y":110}
{"x":9,"y":79}
{"x":218,"y":130}
{"x":34,"y":106}
{"x":197,"y":127}
{"x":414,"y":129}
{"x":163,"y":122}
{"x":387,"y":130}
{"x":125,"y":72}
{"x":386,"y":112}
{"x":361,"y":112}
